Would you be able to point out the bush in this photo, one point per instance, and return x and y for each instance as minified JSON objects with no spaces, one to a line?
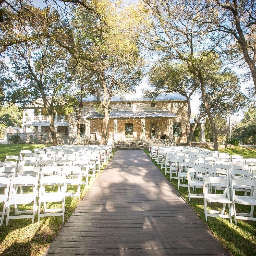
{"x":234,"y":142}
{"x":15,"y":139}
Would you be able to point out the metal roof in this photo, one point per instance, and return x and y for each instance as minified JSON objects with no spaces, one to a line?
{"x":131,"y":114}
{"x":136,"y":97}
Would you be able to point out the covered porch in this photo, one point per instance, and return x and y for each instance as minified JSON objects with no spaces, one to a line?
{"x":129,"y":126}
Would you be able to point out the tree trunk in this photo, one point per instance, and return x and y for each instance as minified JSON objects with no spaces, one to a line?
{"x":188,"y":127}
{"x":208,"y":112}
{"x":52,"y":129}
{"x":104,"y":137}
{"x":105,"y":105}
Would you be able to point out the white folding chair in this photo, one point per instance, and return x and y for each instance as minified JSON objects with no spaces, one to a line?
{"x":23,"y":196}
{"x":28,"y":170}
{"x":4,"y":193}
{"x":195,"y":182}
{"x":222,"y":198}
{"x":12,"y":158}
{"x":246,"y":199}
{"x":73,"y":180}
{"x":51,"y":196}
{"x":50,"y":170}
{"x":183,"y":173}
{"x":9,"y":168}
{"x":83,"y":163}
{"x":24,"y":152}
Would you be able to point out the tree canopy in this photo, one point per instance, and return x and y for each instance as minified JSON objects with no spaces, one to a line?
{"x":72,"y":48}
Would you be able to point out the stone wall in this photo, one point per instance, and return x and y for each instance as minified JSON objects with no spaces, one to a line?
{"x":164,"y":126}
{"x":42,"y":138}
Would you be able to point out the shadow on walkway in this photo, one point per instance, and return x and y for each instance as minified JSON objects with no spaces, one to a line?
{"x":132,"y":209}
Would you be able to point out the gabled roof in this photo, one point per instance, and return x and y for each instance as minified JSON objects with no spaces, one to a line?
{"x":136,"y":97}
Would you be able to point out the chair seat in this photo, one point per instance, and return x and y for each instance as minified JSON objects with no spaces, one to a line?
{"x":21,"y":199}
{"x":218,"y":198}
{"x":245,"y":200}
{"x":51,"y":197}
{"x":196,"y":183}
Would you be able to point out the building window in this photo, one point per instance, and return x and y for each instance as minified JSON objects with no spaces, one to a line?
{"x":175,"y":104}
{"x":153,"y":131}
{"x":81,"y":129}
{"x":62,"y":129}
{"x":153,"y":104}
{"x":177,"y":130}
{"x":129,"y":130}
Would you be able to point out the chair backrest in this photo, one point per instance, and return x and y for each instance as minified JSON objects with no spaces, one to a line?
{"x":210,"y":182}
{"x":48,"y":162}
{"x":24,"y":181}
{"x":4,"y":188}
{"x":39,"y":150}
{"x":242,"y":183}
{"x":72,"y":171}
{"x":50,"y":181}
{"x":29,"y":170}
{"x":220,"y":171}
{"x":10,"y":163}
{"x":250,"y":161}
{"x":196,"y":173}
{"x":29,"y":161}
{"x":12,"y":158}
{"x":50,"y":170}
{"x":238,"y":173}
{"x":23,"y":152}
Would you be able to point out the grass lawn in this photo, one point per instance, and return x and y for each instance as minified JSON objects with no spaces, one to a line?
{"x":239,"y":240}
{"x":246,"y":152}
{"x":21,"y":237}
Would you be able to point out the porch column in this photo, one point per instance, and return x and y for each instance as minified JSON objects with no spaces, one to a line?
{"x":170,"y":127}
{"x":24,"y":121}
{"x":115,"y":131}
{"x":202,"y":132}
{"x":87,"y":128}
{"x":143,"y":129}
{"x":183,"y":131}
{"x":40,"y":116}
{"x":39,"y":128}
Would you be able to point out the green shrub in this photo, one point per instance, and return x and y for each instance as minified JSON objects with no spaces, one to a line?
{"x":234,"y":142}
{"x":15,"y":139}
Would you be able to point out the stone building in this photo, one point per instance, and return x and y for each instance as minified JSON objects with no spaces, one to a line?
{"x":132,"y":118}
{"x":138,"y":118}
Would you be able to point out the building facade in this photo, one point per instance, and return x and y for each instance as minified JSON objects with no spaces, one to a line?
{"x":132,"y":118}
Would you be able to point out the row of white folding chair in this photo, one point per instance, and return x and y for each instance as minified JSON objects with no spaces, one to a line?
{"x":23,"y":193}
{"x":231,"y":196}
{"x":65,"y":170}
{"x":248,"y":198}
{"x":47,"y":196}
{"x":198,"y":172}
{"x":23,"y":197}
{"x":8,"y":168}
{"x":210,"y":185}
{"x":84,"y":163}
{"x":4,"y":192}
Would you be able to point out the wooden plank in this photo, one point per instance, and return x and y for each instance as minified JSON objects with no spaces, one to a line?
{"x":132,"y":209}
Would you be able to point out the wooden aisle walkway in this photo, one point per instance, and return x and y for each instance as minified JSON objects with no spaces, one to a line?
{"x":132,"y":209}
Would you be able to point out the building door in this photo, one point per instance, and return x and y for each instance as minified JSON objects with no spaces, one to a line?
{"x":153,"y":132}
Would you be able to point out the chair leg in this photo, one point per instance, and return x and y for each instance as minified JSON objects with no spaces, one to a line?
{"x":205,"y":210}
